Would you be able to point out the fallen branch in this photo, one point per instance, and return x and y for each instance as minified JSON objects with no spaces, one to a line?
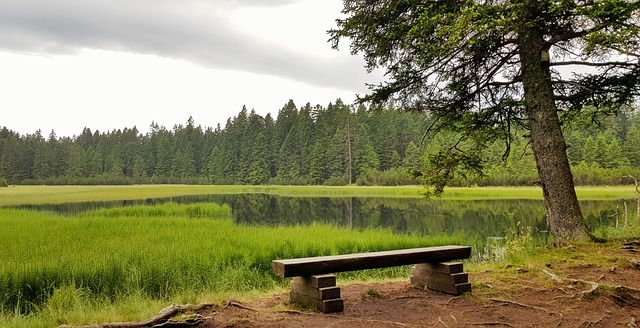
{"x":161,"y":319}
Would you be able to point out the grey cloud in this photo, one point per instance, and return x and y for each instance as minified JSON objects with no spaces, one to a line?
{"x":186,"y":29}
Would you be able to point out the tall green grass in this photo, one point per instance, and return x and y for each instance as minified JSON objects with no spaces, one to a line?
{"x":21,"y":195}
{"x":63,"y":269}
{"x":161,"y":252}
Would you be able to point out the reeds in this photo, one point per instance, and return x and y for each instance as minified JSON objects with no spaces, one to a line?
{"x":21,"y":195}
{"x":160,"y":252}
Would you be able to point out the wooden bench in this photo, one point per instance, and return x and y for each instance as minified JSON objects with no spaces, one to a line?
{"x":314,"y":282}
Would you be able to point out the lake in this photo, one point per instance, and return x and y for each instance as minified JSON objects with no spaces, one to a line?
{"x":483,"y":219}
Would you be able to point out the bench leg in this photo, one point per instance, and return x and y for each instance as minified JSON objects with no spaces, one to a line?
{"x":446,"y":277}
{"x":319,"y":292}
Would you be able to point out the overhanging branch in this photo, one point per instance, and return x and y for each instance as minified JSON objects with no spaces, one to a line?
{"x":593,"y":64}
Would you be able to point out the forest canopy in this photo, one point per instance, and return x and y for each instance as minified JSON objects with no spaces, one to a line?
{"x":307,"y":145}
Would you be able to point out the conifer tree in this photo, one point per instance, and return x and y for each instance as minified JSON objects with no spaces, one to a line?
{"x":481,"y":68}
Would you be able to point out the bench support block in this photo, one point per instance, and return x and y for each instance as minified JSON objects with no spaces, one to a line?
{"x":445,"y":277}
{"x":318,"y":291}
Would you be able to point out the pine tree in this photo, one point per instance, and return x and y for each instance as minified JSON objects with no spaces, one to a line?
{"x":484,"y":67}
{"x":631,"y":146}
{"x":259,"y":169}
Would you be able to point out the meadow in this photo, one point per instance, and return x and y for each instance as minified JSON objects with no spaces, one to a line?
{"x":125,"y":264}
{"x":20,"y":195}
{"x":60,"y":269}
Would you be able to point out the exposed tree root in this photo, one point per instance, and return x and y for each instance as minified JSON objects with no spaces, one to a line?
{"x":621,"y":295}
{"x":527,"y":306}
{"x":235,"y":303}
{"x":232,"y":302}
{"x":455,"y":321}
{"x":584,"y":294}
{"x":452,"y":299}
{"x":345,"y":318}
{"x":624,"y":296}
{"x":631,"y":324}
{"x":632,"y":243}
{"x":591,"y":323}
{"x":552,"y":275}
{"x":164,"y":318}
{"x":493,"y":324}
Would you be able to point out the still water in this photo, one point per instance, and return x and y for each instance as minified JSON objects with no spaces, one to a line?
{"x":483,"y":219}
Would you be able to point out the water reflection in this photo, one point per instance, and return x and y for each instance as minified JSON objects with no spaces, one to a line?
{"x":485,"y":219}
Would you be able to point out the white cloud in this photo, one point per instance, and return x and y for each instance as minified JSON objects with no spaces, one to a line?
{"x":110,"y":90}
{"x":287,"y":41}
{"x":111,"y":64}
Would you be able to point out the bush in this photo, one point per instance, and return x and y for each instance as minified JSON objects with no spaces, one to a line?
{"x":337,"y":180}
{"x":294,"y":181}
{"x":4,"y":182}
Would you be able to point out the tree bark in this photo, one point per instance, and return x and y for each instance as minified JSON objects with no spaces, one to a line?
{"x":549,"y":149}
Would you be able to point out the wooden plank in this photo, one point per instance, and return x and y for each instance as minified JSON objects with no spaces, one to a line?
{"x":427,"y":269}
{"x":436,"y":278}
{"x":317,"y":281}
{"x":361,"y":261}
{"x":324,"y":306}
{"x":443,"y":267}
{"x":458,"y":289}
{"x":324,"y":293}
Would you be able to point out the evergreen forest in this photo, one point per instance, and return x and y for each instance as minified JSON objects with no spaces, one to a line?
{"x":338,"y":144}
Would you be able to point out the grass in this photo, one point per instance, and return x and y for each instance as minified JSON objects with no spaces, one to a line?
{"x":62,"y":269}
{"x":613,"y":233}
{"x":20,"y":195}
{"x":126,"y":264}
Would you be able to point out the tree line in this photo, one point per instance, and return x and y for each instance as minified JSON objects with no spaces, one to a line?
{"x":308,"y":145}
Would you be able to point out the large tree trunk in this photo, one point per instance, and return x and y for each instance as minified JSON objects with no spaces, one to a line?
{"x":549,"y":149}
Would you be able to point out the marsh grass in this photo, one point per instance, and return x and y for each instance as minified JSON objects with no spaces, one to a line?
{"x":631,"y":231}
{"x":125,"y":264}
{"x":21,"y":195}
{"x":56,"y":267}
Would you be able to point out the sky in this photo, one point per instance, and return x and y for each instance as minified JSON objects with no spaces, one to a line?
{"x":103,"y":64}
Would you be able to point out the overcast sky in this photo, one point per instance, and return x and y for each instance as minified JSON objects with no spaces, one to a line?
{"x":105,"y":64}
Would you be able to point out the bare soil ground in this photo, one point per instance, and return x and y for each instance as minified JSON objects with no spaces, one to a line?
{"x":588,"y":286}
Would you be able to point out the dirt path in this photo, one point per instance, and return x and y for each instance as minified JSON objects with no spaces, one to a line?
{"x":592,"y":286}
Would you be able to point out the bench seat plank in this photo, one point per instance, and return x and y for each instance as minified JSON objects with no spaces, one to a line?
{"x":361,"y":261}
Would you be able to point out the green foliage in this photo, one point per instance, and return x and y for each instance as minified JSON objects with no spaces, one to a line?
{"x":487,"y":71}
{"x":391,"y":177}
{"x":200,"y":210}
{"x":306,"y":145}
{"x":337,"y":180}
{"x":158,"y":252}
{"x":621,"y":232}
{"x":385,"y":145}
{"x":519,"y":242}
